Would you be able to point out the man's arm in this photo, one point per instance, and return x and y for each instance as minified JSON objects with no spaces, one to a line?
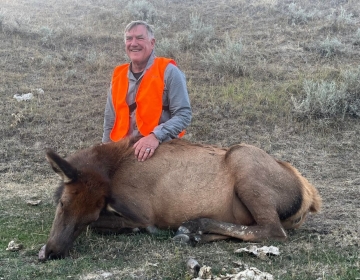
{"x":179,"y":105}
{"x":172,"y":122}
{"x":109,"y":118}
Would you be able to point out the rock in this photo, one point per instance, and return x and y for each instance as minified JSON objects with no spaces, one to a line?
{"x":205,"y":272}
{"x":24,"y":97}
{"x":193,"y":267}
{"x":260,"y":252}
{"x":253,"y":274}
{"x":13,"y":246}
{"x":33,"y":202}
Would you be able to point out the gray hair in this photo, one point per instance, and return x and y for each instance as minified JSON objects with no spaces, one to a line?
{"x":149,"y":28}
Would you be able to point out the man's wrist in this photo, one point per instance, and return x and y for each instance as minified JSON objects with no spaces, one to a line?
{"x":156,"y":137}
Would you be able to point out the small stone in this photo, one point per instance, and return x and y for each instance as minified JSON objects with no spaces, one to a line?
{"x":13,"y":246}
{"x":33,"y":202}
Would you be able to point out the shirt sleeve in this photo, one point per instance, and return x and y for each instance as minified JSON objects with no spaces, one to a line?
{"x":109,"y":118}
{"x":177,"y":97}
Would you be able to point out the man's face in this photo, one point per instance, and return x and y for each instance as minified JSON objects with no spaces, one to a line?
{"x":138,"y":45}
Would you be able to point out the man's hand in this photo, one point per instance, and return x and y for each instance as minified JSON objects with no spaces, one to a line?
{"x":145,"y":147}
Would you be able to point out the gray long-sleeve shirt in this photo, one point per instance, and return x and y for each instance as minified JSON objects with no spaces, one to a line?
{"x":175,"y":96}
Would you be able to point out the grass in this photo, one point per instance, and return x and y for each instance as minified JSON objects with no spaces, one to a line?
{"x":69,"y":49}
{"x":142,"y":256}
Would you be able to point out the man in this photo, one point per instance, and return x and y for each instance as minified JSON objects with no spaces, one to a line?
{"x":148,"y":96}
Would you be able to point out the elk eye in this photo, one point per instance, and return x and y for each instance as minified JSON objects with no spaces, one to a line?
{"x":61,"y":203}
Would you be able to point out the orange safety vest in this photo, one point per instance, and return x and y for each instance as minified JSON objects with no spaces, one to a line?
{"x":148,"y":99}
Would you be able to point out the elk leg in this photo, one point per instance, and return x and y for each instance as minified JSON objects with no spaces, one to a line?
{"x":246,"y":233}
{"x":194,"y":239}
{"x":108,"y":223}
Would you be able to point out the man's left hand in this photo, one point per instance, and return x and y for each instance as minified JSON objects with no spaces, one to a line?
{"x":145,"y":147}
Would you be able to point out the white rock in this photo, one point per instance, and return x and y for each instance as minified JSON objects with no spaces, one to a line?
{"x":253,"y":274}
{"x":13,"y":246}
{"x":24,"y":97}
{"x":271,"y":250}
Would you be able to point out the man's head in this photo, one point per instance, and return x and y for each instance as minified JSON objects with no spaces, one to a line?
{"x":139,"y":41}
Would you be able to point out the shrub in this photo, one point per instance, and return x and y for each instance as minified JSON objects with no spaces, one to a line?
{"x":345,"y":17}
{"x":329,"y":47}
{"x":2,"y":20}
{"x":167,"y":47}
{"x":141,"y":10}
{"x":352,"y":82}
{"x":47,"y":36}
{"x":357,"y":37}
{"x":225,"y":59}
{"x":8,"y":23}
{"x":299,"y":15}
{"x":330,"y":99}
{"x":322,"y":99}
{"x":198,"y":35}
{"x":341,"y":17}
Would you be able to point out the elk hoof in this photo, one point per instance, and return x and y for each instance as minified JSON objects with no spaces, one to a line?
{"x":42,"y":253}
{"x":182,"y":230}
{"x":181,"y":238}
{"x":189,"y":239}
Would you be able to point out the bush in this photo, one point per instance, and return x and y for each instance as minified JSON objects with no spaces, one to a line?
{"x":330,"y":99}
{"x":167,"y":47}
{"x":141,"y":10}
{"x":2,"y":20}
{"x":329,"y":47}
{"x":47,"y":36}
{"x":198,"y":36}
{"x":357,"y":37}
{"x":299,"y":15}
{"x":225,"y":59}
{"x":342,"y":17}
{"x":322,"y":99}
{"x":352,"y":82}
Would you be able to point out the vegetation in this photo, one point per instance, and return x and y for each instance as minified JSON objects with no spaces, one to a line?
{"x":281,"y":75}
{"x":331,"y":99}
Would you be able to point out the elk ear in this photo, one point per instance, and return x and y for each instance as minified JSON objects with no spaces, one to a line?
{"x":65,"y":170}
